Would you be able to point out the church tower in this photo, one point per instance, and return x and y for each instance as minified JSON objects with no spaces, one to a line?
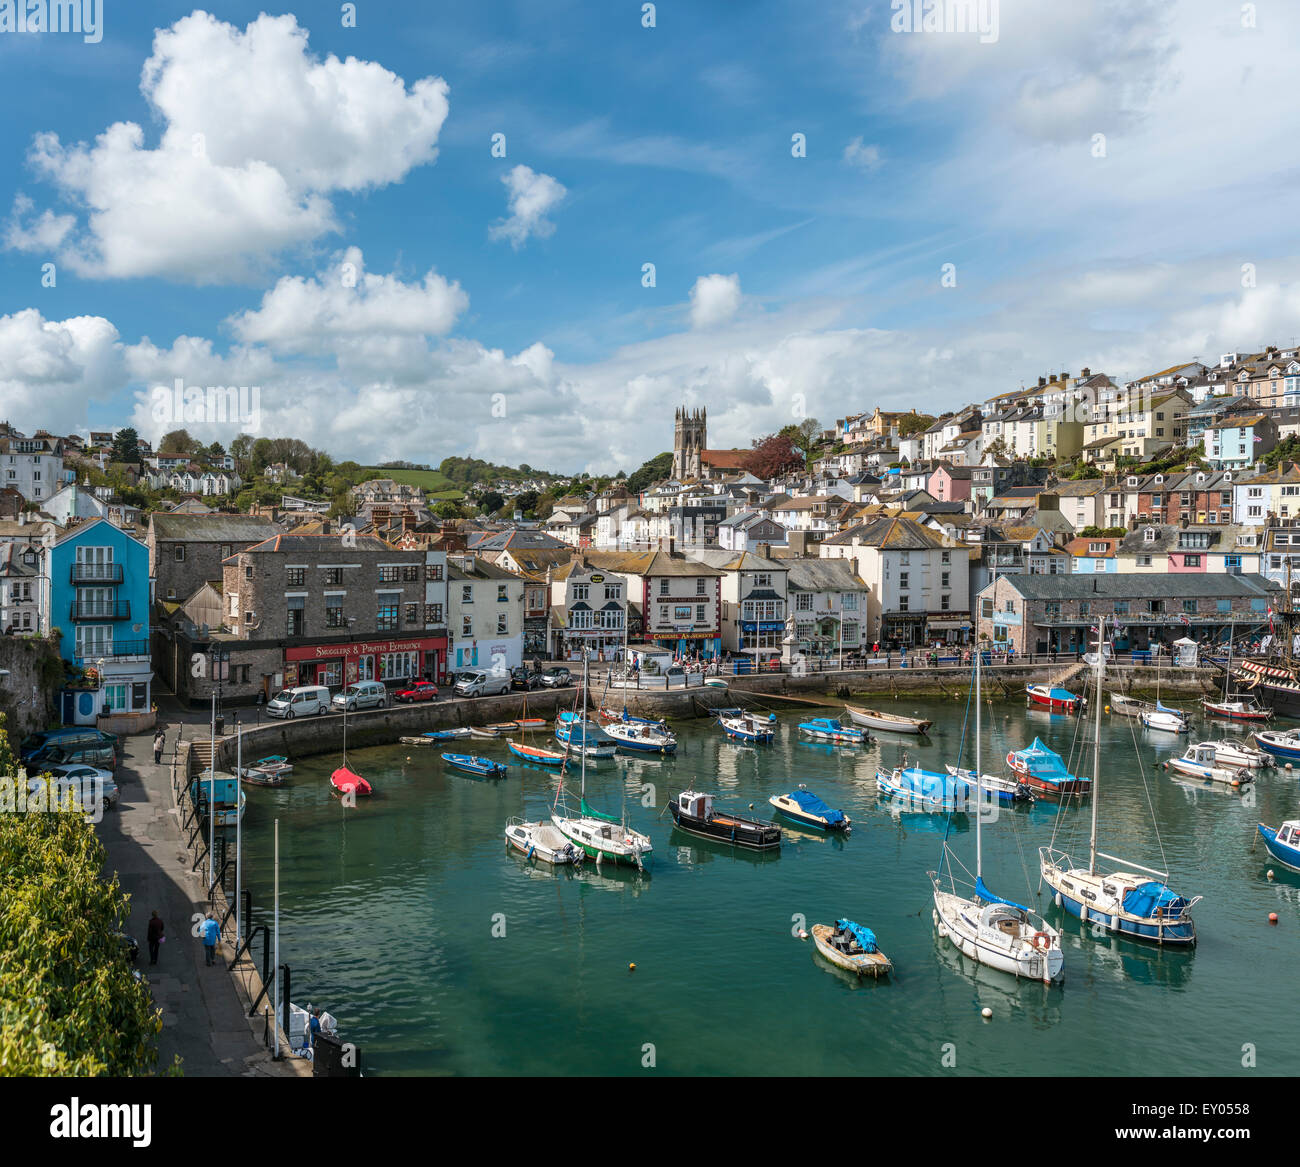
{"x":690,"y":429}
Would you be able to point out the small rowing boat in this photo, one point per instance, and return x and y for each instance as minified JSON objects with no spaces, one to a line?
{"x":1053,"y":697}
{"x":505,"y":726}
{"x":487,"y":731}
{"x":531,"y":723}
{"x":851,"y":946}
{"x":889,"y":722}
{"x":1129,"y":706}
{"x":479,"y":767}
{"x":541,"y":757}
{"x":827,"y":729}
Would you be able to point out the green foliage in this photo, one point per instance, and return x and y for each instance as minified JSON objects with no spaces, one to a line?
{"x":1103,"y":532}
{"x":1287,"y":450}
{"x":69,"y":1004}
{"x":125,"y":446}
{"x":648,"y":473}
{"x":913,"y":423}
{"x":1085,"y":470}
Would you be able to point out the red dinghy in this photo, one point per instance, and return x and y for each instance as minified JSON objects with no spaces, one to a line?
{"x":345,"y":781}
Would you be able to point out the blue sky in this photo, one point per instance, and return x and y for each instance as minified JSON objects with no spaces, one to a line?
{"x":784,"y":286}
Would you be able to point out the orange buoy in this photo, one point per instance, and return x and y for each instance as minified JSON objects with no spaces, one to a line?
{"x":1272,"y":917}
{"x":631,"y":967}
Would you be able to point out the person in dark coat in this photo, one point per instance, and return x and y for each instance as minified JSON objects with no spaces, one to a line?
{"x":155,"y":937}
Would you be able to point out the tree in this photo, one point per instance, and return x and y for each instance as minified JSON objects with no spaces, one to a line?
{"x":655,"y":470}
{"x":491,"y":502}
{"x":773,"y":455}
{"x":804,"y":436}
{"x":447,"y":510}
{"x":914,"y":423}
{"x":177,"y":442}
{"x":126,"y":446}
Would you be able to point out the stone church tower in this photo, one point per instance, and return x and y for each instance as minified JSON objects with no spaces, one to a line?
{"x":689,"y":441}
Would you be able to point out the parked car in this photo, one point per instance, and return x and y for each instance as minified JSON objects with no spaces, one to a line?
{"x":483,"y":684}
{"x":525,"y":679}
{"x":417,"y":691}
{"x":99,"y":754}
{"x":70,"y":735}
{"x":80,"y":779}
{"x":557,"y":677}
{"x":361,"y":695}
{"x":304,"y":701}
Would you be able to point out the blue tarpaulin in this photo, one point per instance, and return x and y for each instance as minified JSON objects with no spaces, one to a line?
{"x":1147,"y":897}
{"x":809,"y":802}
{"x":989,"y":898}
{"x":864,"y":936}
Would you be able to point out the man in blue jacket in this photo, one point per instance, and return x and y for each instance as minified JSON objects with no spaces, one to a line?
{"x":210,"y":930}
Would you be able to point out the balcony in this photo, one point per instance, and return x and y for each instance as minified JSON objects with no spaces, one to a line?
{"x":101,"y":610}
{"x":96,"y":573}
{"x":115,"y":650}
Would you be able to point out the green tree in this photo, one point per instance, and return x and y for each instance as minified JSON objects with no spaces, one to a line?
{"x":177,"y":442}
{"x":490,"y":502}
{"x":126,"y":446}
{"x":914,"y":423}
{"x":655,"y":470}
{"x":447,"y":510}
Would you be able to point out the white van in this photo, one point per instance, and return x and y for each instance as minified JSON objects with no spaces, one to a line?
{"x":481,"y":684}
{"x":361,"y":695}
{"x":304,"y":701}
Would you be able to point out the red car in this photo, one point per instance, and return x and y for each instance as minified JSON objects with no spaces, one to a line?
{"x":420,"y":691}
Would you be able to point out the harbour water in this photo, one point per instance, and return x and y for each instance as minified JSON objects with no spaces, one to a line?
{"x":441,"y":951}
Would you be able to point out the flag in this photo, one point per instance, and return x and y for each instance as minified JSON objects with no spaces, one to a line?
{"x":1185,"y":620}
{"x":1259,"y":437}
{"x":1270,"y":617}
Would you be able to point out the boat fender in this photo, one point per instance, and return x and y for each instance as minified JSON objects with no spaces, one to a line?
{"x":1056,"y":899}
{"x":1046,"y":941}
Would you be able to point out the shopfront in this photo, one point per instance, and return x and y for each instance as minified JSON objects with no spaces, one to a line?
{"x":687,"y":644}
{"x":764,"y":634}
{"x":391,"y":661}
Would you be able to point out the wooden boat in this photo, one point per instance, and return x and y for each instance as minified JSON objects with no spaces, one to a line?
{"x":251,"y":776}
{"x":505,"y":726}
{"x":541,"y":841}
{"x":1237,"y":710}
{"x":889,"y":722}
{"x":422,"y":740}
{"x":487,"y":731}
{"x":1053,"y":697}
{"x":227,"y":798}
{"x":1200,"y":762}
{"x":1282,"y":744}
{"x":536,"y":754}
{"x":531,"y":723}
{"x":344,"y":781}
{"x":479,"y":767}
{"x":827,"y":729}
{"x":693,"y":813}
{"x":1164,"y":718}
{"x":1044,"y":773}
{"x":748,"y":727}
{"x":1129,"y":706}
{"x":806,"y":809}
{"x":1283,"y":843}
{"x":843,"y":945}
{"x":447,"y":735}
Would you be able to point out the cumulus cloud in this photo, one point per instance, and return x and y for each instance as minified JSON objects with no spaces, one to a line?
{"x":532,"y":196}
{"x":258,"y":133}
{"x":714,"y":300}
{"x":50,"y":369}
{"x":863,"y":157}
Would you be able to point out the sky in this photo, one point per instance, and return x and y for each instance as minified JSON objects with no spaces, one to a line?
{"x":526,"y":233}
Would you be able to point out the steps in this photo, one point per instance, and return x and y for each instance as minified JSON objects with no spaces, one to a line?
{"x":1059,"y":681}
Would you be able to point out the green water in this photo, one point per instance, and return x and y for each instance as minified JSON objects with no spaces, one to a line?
{"x":388,"y":914}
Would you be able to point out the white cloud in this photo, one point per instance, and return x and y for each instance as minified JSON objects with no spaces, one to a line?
{"x":45,"y":233}
{"x":714,"y":300}
{"x":863,"y":157}
{"x":532,"y":197}
{"x":257,"y":134}
{"x":49,"y":369}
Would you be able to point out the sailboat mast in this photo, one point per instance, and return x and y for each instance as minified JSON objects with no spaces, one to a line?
{"x":979,"y":782}
{"x":1096,"y":745}
{"x":582,"y":725}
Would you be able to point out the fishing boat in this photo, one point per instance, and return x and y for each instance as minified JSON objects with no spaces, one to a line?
{"x":541,"y":841}
{"x":1129,"y":706}
{"x":1200,"y":761}
{"x":988,"y":928}
{"x":889,"y":722}
{"x":1043,"y":771}
{"x":228,"y":801}
{"x":804,"y":807}
{"x":1006,"y":791}
{"x":748,"y":727}
{"x":926,"y":790}
{"x":608,"y":713}
{"x":1230,"y":752}
{"x":827,"y":729}
{"x":1283,"y":744}
{"x":1119,"y":901}
{"x":479,"y":767}
{"x":644,"y":738}
{"x":1237,"y":710}
{"x":345,"y":782}
{"x":1283,"y":843}
{"x":602,"y":836}
{"x":851,"y":947}
{"x":693,"y":813}
{"x":1053,"y":697}
{"x":1164,"y":718}
{"x":253,"y":776}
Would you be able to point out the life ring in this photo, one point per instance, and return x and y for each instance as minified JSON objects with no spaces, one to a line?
{"x":1047,"y":941}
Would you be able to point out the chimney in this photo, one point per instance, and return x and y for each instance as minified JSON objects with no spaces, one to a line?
{"x":1043,"y":380}
{"x":1052,"y":379}
{"x":1085,"y":372}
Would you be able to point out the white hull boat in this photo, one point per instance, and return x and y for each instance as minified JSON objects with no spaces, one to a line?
{"x":1168,"y":720}
{"x":889,"y":722}
{"x":541,"y":841}
{"x":1201,"y":761}
{"x":1003,"y":936}
{"x":1240,"y":755}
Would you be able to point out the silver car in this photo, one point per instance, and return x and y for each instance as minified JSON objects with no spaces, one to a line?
{"x":84,"y":781}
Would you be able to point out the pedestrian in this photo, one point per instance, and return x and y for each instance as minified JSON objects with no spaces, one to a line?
{"x":155,"y":937}
{"x":159,"y":740}
{"x":209,"y":930}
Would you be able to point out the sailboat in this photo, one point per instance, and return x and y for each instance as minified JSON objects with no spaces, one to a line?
{"x":600,"y":835}
{"x":1119,"y":901}
{"x":343,"y":780}
{"x":994,"y":931}
{"x":1234,"y":709}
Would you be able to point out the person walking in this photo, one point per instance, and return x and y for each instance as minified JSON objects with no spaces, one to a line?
{"x":155,"y":937}
{"x":159,"y":740}
{"x":209,"y":930}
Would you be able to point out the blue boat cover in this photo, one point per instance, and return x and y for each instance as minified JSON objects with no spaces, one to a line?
{"x":864,"y":936}
{"x":1144,"y":899}
{"x":1165,"y":709}
{"x":989,"y":898}
{"x":813,"y":805}
{"x":1044,"y":763}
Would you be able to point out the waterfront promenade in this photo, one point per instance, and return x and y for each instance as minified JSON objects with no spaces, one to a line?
{"x":204,"y":1019}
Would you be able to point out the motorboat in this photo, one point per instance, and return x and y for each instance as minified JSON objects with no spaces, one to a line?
{"x":1055,"y":698}
{"x":1281,"y":744}
{"x":542,"y":841}
{"x":748,"y":727}
{"x":1283,"y":843}
{"x":1044,"y":772}
{"x":851,"y":946}
{"x":641,"y":737}
{"x":806,"y":809}
{"x":1237,"y":710}
{"x":926,"y":790}
{"x":693,"y":813}
{"x":479,"y":767}
{"x":827,"y":729}
{"x":1164,"y":718}
{"x":889,"y":722}
{"x":1230,"y":752}
{"x":1006,"y":791}
{"x":1200,"y":761}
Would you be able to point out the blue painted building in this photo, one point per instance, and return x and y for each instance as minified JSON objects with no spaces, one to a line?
{"x":97,"y":595}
